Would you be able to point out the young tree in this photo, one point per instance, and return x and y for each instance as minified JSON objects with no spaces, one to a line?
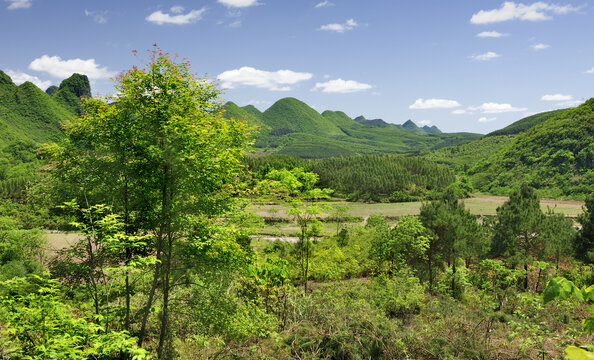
{"x":161,"y":152}
{"x":456,"y":233}
{"x":583,"y":244}
{"x":518,"y":232}
{"x":298,"y":188}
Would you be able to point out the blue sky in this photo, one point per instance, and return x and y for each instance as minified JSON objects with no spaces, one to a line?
{"x":461,"y":65}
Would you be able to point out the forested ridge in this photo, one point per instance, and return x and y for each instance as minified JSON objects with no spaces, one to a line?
{"x":159,"y":183}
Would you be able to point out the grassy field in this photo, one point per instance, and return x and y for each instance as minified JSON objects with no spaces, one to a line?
{"x":480,"y":205}
{"x":483,"y":205}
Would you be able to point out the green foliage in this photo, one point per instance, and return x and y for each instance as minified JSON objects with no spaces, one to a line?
{"x":555,"y":157}
{"x":526,"y":123}
{"x":404,"y":245}
{"x":22,"y":252}
{"x":369,"y":177}
{"x":583,"y":244}
{"x":36,"y":324}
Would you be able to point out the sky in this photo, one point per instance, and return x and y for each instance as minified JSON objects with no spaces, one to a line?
{"x":472,"y":66}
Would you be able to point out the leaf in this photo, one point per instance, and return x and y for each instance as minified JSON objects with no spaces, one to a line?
{"x":575,"y":353}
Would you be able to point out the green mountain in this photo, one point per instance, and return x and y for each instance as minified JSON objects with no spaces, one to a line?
{"x":70,"y":92}
{"x":296,"y":116}
{"x":465,"y":156}
{"x":292,"y":127}
{"x":555,"y":156}
{"x":412,"y":127}
{"x":29,"y":114}
{"x":232,"y":111}
{"x":526,"y":123}
{"x":29,"y":117}
{"x":375,"y":122}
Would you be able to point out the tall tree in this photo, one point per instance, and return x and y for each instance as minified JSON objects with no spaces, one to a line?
{"x":518,"y":232}
{"x":161,"y":152}
{"x":456,"y":233}
{"x":583,"y":244}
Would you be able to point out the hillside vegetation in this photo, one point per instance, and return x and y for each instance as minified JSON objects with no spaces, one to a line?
{"x":29,"y":117}
{"x":556,"y":157}
{"x":292,"y":127}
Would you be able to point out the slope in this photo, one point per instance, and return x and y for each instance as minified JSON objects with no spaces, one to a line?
{"x":294,"y":115}
{"x":555,"y":156}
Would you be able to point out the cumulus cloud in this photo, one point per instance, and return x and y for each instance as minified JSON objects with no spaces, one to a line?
{"x":509,"y":10}
{"x":495,"y":108}
{"x":341,"y":86}
{"x":20,"y":77}
{"x":100,"y":17}
{"x":55,"y":66}
{"x":486,"y":119}
{"x":490,"y":34}
{"x":425,"y":122}
{"x":591,"y":71}
{"x":461,"y":112}
{"x":538,"y":47}
{"x":490,"y":55}
{"x":556,"y":97}
{"x":19,"y":4}
{"x":271,"y":80}
{"x":176,"y":17}
{"x":239,"y":3}
{"x":562,"y":100}
{"x":350,"y":24}
{"x":324,"y":3}
{"x":434,"y":104}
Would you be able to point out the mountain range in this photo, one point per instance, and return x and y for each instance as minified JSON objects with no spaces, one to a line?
{"x":552,"y":151}
{"x":292,"y":127}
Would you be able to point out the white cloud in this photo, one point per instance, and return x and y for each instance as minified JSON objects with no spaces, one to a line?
{"x":486,"y":56}
{"x":556,"y":97}
{"x":177,"y":9}
{"x":495,"y":108}
{"x":20,"y":77}
{"x":271,"y":80}
{"x":511,"y":11}
{"x":425,"y":122}
{"x":490,"y":34}
{"x":461,"y":112}
{"x":99,"y":17}
{"x":562,"y":100}
{"x":235,"y":24}
{"x":350,"y":24}
{"x":341,"y":86}
{"x":55,"y":66}
{"x":591,"y":71}
{"x":324,"y":3}
{"x":434,"y":104}
{"x":19,"y":4}
{"x":239,"y":3}
{"x":538,"y":47}
{"x":160,"y":18}
{"x":486,"y":119}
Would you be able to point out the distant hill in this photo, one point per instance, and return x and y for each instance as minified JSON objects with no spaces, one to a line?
{"x":292,"y":127}
{"x":295,"y":115}
{"x":30,"y":116}
{"x":556,"y":156}
{"x":375,"y":123}
{"x":526,"y":123}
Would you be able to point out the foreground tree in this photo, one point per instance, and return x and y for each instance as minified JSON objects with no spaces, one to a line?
{"x":456,"y":234}
{"x":584,"y":241}
{"x":160,"y":151}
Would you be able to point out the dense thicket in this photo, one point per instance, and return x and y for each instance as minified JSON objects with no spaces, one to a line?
{"x":368,"y":177}
{"x":556,"y":157}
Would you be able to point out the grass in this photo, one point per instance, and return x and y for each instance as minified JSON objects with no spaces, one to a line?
{"x":482,"y":205}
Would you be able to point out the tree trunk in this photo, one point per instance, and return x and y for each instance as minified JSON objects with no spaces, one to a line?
{"x":165,"y":311}
{"x":157,"y":274}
